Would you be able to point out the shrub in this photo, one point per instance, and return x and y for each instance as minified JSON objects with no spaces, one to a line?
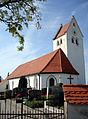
{"x":43,"y":97}
{"x":35,"y":104}
{"x":34,"y":94}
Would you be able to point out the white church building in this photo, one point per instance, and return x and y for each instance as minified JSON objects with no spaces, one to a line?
{"x":65,"y":64}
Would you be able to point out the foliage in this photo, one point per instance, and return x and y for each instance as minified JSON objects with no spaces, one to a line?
{"x":34,"y":94}
{"x":7,"y":94}
{"x":35,"y":103}
{"x":16,"y":14}
{"x":43,"y":97}
{"x":22,"y":82}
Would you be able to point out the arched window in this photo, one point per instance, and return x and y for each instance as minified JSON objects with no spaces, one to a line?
{"x":72,"y":39}
{"x":60,"y":41}
{"x":74,"y":24}
{"x":51,"y":82}
{"x":57,"y":43}
{"x":77,"y":41}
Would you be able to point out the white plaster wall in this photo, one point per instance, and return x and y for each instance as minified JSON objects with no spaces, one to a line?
{"x":16,"y":82}
{"x":63,"y":46}
{"x":64,"y":79}
{"x":61,"y":78}
{"x":77,"y":111}
{"x":13,"y":83}
{"x":76,"y":52}
{"x":30,"y":79}
{"x":43,"y":80}
{"x":33,"y":79}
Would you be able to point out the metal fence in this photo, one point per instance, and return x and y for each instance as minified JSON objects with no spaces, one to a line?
{"x":10,"y":109}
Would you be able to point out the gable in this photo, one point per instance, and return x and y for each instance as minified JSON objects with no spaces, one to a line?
{"x":74,"y":27}
{"x":60,"y":64}
{"x":63,"y":29}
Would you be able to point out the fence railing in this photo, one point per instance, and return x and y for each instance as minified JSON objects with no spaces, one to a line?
{"x":9,"y":109}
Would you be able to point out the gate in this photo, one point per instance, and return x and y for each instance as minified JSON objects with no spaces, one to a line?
{"x":16,"y":109}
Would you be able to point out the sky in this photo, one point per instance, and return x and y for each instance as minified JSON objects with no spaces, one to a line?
{"x":39,"y":42}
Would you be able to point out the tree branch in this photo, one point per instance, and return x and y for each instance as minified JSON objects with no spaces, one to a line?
{"x":8,"y":2}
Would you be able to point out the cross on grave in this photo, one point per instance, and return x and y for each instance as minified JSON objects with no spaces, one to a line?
{"x":70,"y":78}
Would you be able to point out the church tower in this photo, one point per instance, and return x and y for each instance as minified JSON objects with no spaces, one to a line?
{"x":70,"y":39}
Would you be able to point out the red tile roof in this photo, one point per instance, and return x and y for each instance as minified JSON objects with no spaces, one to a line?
{"x":62,"y":30}
{"x":54,"y":62}
{"x":76,"y":94}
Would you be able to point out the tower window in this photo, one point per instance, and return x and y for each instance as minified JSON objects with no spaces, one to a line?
{"x":73,"y":24}
{"x":74,"y":32}
{"x":57,"y":43}
{"x":72,"y":39}
{"x":60,"y":41}
{"x":77,"y":41}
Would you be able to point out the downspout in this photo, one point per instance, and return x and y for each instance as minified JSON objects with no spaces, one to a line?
{"x":39,"y":81}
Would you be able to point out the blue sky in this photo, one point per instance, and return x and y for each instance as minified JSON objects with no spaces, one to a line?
{"x":39,"y":42}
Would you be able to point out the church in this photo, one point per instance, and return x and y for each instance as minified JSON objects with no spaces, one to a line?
{"x":65,"y":64}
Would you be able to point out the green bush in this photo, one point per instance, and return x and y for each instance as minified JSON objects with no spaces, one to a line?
{"x":43,"y":97}
{"x":34,"y":94}
{"x":35,"y":104}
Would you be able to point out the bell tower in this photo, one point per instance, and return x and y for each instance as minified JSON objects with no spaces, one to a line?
{"x":70,"y":39}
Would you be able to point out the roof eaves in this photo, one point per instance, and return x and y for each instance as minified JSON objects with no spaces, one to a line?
{"x":24,"y":75}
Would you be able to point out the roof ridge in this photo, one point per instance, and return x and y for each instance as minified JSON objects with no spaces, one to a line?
{"x":50,"y":59}
{"x":75,"y":85}
{"x":58,"y":31}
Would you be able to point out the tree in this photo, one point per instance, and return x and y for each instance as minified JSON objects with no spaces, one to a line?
{"x":22,"y":82}
{"x":22,"y":87}
{"x":16,"y":14}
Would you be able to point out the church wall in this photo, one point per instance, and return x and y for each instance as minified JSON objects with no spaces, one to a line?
{"x":42,"y":80}
{"x":13,"y":83}
{"x":35,"y":81}
{"x":31,"y":82}
{"x":45,"y":79}
{"x":59,"y":78}
{"x":64,"y":79}
{"x":31,"y":78}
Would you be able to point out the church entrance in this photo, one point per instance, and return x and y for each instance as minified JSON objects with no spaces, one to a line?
{"x":51,"y":82}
